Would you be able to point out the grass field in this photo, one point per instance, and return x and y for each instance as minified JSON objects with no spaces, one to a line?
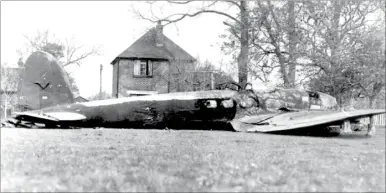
{"x":162,"y":160}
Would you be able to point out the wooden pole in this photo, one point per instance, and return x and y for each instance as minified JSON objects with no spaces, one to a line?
{"x":100,"y":82}
{"x":212,"y":80}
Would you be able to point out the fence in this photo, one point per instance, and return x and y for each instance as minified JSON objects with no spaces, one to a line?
{"x":379,"y":120}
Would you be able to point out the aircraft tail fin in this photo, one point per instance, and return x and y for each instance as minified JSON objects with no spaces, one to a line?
{"x":43,"y":82}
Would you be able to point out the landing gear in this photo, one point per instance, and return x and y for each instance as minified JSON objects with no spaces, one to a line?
{"x":346,"y":127}
{"x":371,"y":127}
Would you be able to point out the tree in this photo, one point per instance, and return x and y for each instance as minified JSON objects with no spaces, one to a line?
{"x":321,"y":43}
{"x":206,"y":76}
{"x":180,"y":76}
{"x":66,"y":52}
{"x":369,"y":58}
{"x":194,"y":77}
{"x":273,"y":38}
{"x":74,"y":86}
{"x":100,"y":96}
{"x":239,"y":27}
{"x":274,"y":35}
{"x":9,"y":78}
{"x":329,"y":28}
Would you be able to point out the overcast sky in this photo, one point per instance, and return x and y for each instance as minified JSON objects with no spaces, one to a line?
{"x":108,"y":24}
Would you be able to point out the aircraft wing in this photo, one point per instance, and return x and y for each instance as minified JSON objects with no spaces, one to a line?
{"x":298,"y":120}
{"x":45,"y":118}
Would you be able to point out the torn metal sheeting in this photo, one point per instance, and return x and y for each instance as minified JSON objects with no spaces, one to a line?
{"x":297,"y":120}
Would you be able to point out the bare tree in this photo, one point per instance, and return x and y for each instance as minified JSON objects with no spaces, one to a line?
{"x":75,"y":55}
{"x":273,"y":38}
{"x":9,"y":85}
{"x":369,"y":58}
{"x":330,"y":28}
{"x":207,"y":77}
{"x":66,"y":52}
{"x":274,"y":34}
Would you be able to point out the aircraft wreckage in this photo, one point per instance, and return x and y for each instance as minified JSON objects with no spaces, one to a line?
{"x":246,"y":110}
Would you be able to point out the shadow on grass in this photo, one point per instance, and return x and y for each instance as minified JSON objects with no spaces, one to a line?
{"x":316,"y":131}
{"x":321,"y":131}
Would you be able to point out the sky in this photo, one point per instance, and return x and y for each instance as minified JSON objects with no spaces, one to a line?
{"x":108,"y":24}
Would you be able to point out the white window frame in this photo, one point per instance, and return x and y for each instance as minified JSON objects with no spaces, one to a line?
{"x":138,"y":70}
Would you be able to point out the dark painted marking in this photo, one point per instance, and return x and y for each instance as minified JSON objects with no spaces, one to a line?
{"x":41,"y":85}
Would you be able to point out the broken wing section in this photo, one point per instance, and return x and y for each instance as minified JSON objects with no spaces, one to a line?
{"x":297,"y":120}
{"x":48,"y":119}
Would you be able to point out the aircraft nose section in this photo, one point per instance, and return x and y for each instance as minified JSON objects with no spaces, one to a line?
{"x":247,"y":99}
{"x":247,"y":104}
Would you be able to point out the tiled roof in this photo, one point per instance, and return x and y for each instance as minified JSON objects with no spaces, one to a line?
{"x":80,"y":99}
{"x":146,"y":47}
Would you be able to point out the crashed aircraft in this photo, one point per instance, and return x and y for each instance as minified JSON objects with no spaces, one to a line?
{"x":246,"y":110}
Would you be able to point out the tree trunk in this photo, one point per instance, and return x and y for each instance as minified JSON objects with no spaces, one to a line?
{"x":339,"y":100}
{"x":283,"y":71}
{"x":335,"y":41}
{"x":282,"y":61}
{"x":291,"y":44}
{"x":377,"y":87}
{"x":372,"y":100}
{"x":242,"y":59}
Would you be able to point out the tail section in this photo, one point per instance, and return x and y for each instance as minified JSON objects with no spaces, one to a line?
{"x":43,"y":83}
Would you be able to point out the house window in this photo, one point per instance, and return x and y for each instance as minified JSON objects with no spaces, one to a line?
{"x":143,"y":68}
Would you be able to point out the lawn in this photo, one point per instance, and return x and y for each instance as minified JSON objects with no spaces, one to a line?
{"x":188,"y":160}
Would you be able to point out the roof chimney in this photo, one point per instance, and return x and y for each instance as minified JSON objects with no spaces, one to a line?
{"x":159,"y":34}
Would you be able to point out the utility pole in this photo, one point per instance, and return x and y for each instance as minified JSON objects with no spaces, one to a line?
{"x":100,"y":82}
{"x":212,"y":80}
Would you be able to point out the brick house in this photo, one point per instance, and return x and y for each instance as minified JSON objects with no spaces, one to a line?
{"x":148,"y":65}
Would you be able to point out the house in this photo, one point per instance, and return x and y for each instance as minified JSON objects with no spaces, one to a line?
{"x":148,"y":65}
{"x":80,"y":99}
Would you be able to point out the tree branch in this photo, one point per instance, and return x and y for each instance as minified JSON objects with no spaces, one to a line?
{"x":234,"y":3}
{"x":233,"y":30}
{"x":81,"y":57}
{"x":180,"y":2}
{"x":273,"y":15}
{"x":181,"y":16}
